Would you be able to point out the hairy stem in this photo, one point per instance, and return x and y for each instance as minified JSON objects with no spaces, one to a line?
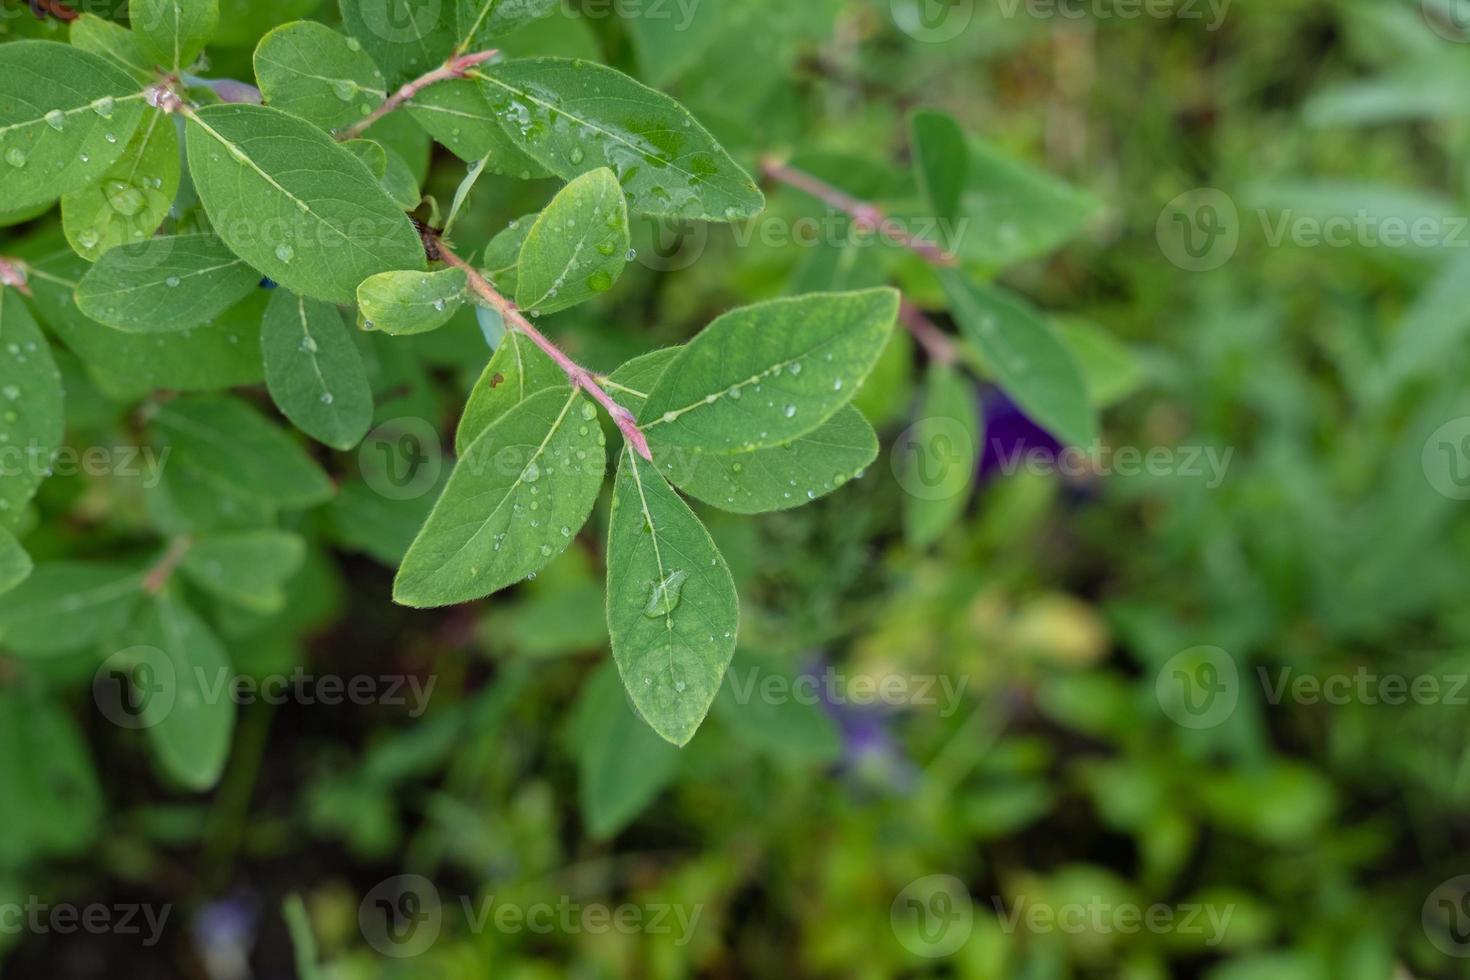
{"x":456,"y":67}
{"x":868,"y":216}
{"x":579,"y":376}
{"x":936,"y":343}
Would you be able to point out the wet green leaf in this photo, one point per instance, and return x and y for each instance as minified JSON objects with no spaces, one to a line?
{"x":314,"y":371}
{"x":165,"y":284}
{"x":577,"y":247}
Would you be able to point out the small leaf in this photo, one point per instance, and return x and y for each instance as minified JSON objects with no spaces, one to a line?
{"x":518,"y":370}
{"x":233,"y":446}
{"x":114,"y":42}
{"x":401,"y":303}
{"x":1030,"y":363}
{"x":941,"y":159}
{"x":132,"y":198}
{"x":15,"y":564}
{"x":30,"y":406}
{"x":514,"y":501}
{"x":483,"y":21}
{"x":766,"y":374}
{"x":622,"y":765}
{"x":173,"y":32}
{"x":64,"y":607}
{"x":295,"y":204}
{"x":248,"y":568}
{"x":66,"y":116}
{"x":577,"y":247}
{"x":503,"y":254}
{"x":943,"y":458}
{"x":165,"y":284}
{"x":672,"y":611}
{"x":405,"y":38}
{"x":311,"y":71}
{"x":189,"y":715}
{"x":457,"y":114}
{"x":575,"y":116}
{"x":314,"y":371}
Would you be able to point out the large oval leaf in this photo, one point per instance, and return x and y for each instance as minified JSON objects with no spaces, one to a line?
{"x":165,"y":284}
{"x":311,"y":71}
{"x":672,"y":611}
{"x":577,"y":247}
{"x":457,"y":114}
{"x":513,"y":503}
{"x":295,"y":204}
{"x":66,"y":115}
{"x":574,"y":116}
{"x":30,"y":406}
{"x":766,"y":374}
{"x":314,"y":371}
{"x":405,"y":37}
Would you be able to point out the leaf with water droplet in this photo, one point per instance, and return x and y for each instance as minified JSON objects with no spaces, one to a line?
{"x":405,"y":38}
{"x":314,"y":370}
{"x":672,"y":610}
{"x":481,"y":22}
{"x":456,"y":114}
{"x":311,"y":71}
{"x":173,"y":32}
{"x":552,"y":106}
{"x":518,"y":370}
{"x":43,"y":79}
{"x":566,"y":257}
{"x":113,"y":42}
{"x":402,"y":303}
{"x":128,"y":289}
{"x":455,"y":559}
{"x":834,"y":335}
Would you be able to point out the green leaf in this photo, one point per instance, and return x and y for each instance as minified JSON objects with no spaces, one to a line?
{"x":372,"y":154}
{"x":132,"y":198}
{"x":941,"y":159}
{"x":576,"y":116}
{"x":399,"y":182}
{"x":30,"y":406}
{"x":518,"y":370}
{"x":165,"y":284}
{"x":762,"y":480}
{"x":235,"y":447}
{"x":67,"y":606}
{"x":173,"y":32}
{"x":15,"y":564}
{"x":622,"y":765}
{"x":503,"y":254}
{"x":401,"y":303}
{"x":457,"y":114}
{"x":577,"y":247}
{"x":189,"y":715}
{"x":513,"y":502}
{"x":943,"y":456}
{"x":766,"y":374}
{"x":1029,"y":362}
{"x":309,"y":70}
{"x":66,"y":116}
{"x":248,"y":568}
{"x":113,"y":42}
{"x":672,"y":611}
{"x":406,"y":38}
{"x":187,"y":503}
{"x":50,"y":801}
{"x":295,"y":204}
{"x":483,"y":21}
{"x":314,"y":371}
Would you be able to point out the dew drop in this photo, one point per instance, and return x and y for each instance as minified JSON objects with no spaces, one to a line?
{"x":600,"y":281}
{"x":790,"y":411}
{"x":285,"y":253}
{"x":589,"y":412}
{"x":344,"y":89}
{"x":104,"y":106}
{"x":531,"y":473}
{"x":664,"y":598}
{"x":327,"y":398}
{"x":576,"y":155}
{"x":171,"y":281}
{"x":308,"y":345}
{"x":56,"y":119}
{"x":15,"y":157}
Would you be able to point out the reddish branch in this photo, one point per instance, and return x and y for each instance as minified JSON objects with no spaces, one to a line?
{"x":159,"y":574}
{"x":456,"y":67}
{"x":935,"y":342}
{"x":868,"y":217}
{"x":579,"y":376}
{"x":52,"y":8}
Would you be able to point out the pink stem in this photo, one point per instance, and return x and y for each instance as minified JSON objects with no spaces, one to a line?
{"x":579,"y":376}
{"x":13,"y":273}
{"x":934,"y":341}
{"x":868,"y":217}
{"x":159,"y":574}
{"x":455,"y":67}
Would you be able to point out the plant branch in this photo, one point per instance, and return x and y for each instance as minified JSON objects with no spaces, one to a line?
{"x":13,"y":272}
{"x":160,"y":573}
{"x":936,"y":343}
{"x":866,"y":215}
{"x":456,"y":67}
{"x":579,"y":376}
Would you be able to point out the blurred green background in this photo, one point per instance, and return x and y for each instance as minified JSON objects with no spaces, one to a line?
{"x":1106,"y":754}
